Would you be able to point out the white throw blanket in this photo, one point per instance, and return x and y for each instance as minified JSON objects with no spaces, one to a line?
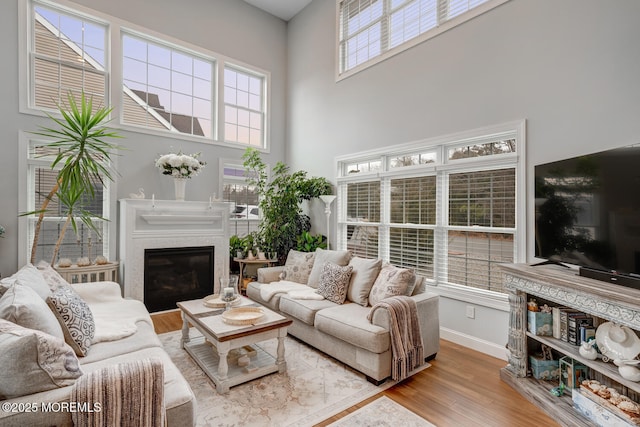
{"x":115,"y":320}
{"x":305,"y":294}
{"x":283,"y":286}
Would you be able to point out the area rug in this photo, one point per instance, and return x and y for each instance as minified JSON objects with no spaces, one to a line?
{"x":382,"y":412}
{"x":314,"y":388}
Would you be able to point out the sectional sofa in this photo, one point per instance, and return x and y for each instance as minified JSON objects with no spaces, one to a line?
{"x":333,"y":318}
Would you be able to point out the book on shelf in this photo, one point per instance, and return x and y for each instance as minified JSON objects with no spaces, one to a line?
{"x":575,"y":321}
{"x":564,"y":322}
{"x":587,"y":333}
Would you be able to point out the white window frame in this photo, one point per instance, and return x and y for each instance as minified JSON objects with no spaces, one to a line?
{"x":116,"y":27}
{"x":26,"y":203}
{"x":442,"y":168}
{"x":263,"y":105}
{"x":237,"y":226}
{"x":386,"y":52}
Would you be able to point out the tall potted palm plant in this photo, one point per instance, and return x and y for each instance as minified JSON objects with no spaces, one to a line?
{"x":84,"y":158}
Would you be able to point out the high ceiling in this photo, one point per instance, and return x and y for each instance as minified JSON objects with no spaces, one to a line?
{"x":284,"y":9}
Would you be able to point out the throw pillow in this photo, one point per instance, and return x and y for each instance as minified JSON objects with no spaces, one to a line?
{"x":364,"y":274}
{"x":334,"y":281}
{"x":75,"y":317}
{"x":53,"y":279}
{"x":22,"y":305}
{"x":298,"y":266}
{"x":33,"y":361}
{"x":323,"y":256}
{"x":391,"y":281}
{"x":29,"y":276}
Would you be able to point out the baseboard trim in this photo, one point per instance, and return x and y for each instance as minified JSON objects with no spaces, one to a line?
{"x":474,"y":343}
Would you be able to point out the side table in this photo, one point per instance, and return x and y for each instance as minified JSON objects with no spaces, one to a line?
{"x":242,"y":262}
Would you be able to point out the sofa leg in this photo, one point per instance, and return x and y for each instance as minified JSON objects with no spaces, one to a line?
{"x":374,"y":381}
{"x":430,"y":358}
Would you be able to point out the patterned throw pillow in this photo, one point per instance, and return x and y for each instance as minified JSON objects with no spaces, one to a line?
{"x":298,"y":266}
{"x":323,"y":256}
{"x":391,"y":281}
{"x":75,"y":317}
{"x":33,"y":361}
{"x":334,"y":282}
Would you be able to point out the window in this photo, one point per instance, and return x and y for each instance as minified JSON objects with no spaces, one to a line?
{"x":166,"y":88}
{"x":370,"y":29}
{"x":243,"y":107}
{"x":87,"y":243}
{"x":244,"y":212}
{"x":447,"y":208}
{"x":67,"y":53}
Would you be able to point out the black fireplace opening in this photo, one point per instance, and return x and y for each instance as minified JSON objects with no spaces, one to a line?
{"x":177,"y":274}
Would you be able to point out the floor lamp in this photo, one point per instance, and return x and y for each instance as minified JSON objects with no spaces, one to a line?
{"x":328,"y":199}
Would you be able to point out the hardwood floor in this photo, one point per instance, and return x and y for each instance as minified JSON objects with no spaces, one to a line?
{"x":461,"y":388}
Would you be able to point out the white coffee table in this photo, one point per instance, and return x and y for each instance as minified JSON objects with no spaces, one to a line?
{"x":212,"y":356}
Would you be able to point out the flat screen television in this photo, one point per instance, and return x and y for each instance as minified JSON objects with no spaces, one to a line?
{"x":587,"y":211}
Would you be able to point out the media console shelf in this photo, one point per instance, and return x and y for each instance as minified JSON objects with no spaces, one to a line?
{"x":564,"y":287}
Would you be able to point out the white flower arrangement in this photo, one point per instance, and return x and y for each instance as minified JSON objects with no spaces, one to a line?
{"x":180,"y":165}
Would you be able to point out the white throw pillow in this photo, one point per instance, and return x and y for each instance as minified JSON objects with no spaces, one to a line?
{"x":33,"y":361}
{"x":22,"y":305}
{"x":323,"y":256}
{"x":29,"y":276}
{"x":363,"y":276}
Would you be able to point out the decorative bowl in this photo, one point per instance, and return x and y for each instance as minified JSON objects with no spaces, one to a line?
{"x":215,"y":301}
{"x":242,"y":315}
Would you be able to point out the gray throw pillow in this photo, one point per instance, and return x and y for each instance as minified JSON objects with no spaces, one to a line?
{"x":75,"y":318}
{"x":298,"y":266}
{"x":363,"y":276}
{"x":390,"y":282}
{"x":334,"y":281}
{"x":323,"y":256}
{"x":29,"y":276}
{"x":33,"y":361}
{"x":22,"y":305}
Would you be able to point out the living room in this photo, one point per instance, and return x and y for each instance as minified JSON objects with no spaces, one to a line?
{"x":561,"y":74}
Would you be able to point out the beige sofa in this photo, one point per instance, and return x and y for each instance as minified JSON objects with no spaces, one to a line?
{"x":342,"y":330}
{"x":104,"y":299}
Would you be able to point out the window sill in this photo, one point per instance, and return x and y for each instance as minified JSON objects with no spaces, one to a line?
{"x":475,"y":296}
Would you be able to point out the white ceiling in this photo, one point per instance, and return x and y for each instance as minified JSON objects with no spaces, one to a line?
{"x":284,"y":9}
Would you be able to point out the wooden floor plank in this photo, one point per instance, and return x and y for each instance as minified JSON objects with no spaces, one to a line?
{"x":462,"y":388}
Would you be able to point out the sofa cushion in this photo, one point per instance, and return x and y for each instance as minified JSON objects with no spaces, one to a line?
{"x":349,"y":323}
{"x":334,"y":281}
{"x":53,"y":279}
{"x":23,"y":306}
{"x":303,"y":309}
{"x":33,"y":361}
{"x":75,"y":318}
{"x":29,"y":276}
{"x":298,"y":266}
{"x":363,"y":275}
{"x":391,"y":281}
{"x":323,"y":256}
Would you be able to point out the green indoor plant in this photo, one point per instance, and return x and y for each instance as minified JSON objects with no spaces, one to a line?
{"x":282,"y":219}
{"x":307,"y":242}
{"x":84,"y":159}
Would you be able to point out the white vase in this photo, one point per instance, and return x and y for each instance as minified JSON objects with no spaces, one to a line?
{"x":180,"y":184}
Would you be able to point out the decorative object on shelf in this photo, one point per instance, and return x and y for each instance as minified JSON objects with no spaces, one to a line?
{"x":588,"y":349}
{"x":83,"y":261}
{"x":628,"y":369}
{"x":64,"y":263}
{"x":101,"y":260}
{"x":138,"y":195}
{"x":181,"y":167}
{"x":572,"y":373}
{"x":328,"y":199}
{"x":617,"y":342}
{"x":605,"y":405}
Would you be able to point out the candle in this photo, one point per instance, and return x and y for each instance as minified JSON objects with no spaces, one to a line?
{"x":228,"y":292}
{"x":153,"y":199}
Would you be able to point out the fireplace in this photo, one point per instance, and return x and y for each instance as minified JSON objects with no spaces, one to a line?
{"x":149,"y":225}
{"x":177,"y":274}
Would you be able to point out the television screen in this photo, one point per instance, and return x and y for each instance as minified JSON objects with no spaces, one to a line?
{"x":587,"y":210}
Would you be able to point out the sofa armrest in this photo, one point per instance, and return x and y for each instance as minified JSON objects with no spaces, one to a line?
{"x":427,"y":304}
{"x":270,"y":274}
{"x":98,"y":291}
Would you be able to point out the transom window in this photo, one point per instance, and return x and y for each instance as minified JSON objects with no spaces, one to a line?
{"x":67,"y":53}
{"x":452,"y":221}
{"x":165,"y":87}
{"x":377,"y":29}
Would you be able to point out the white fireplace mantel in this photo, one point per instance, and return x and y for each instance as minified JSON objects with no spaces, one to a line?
{"x":153,"y":224}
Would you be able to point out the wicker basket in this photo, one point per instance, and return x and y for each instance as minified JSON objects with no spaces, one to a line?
{"x":243,"y":316}
{"x":214,"y":301}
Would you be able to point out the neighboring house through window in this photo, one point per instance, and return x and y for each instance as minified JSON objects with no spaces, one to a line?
{"x":449,"y":208}
{"x":244,"y":199}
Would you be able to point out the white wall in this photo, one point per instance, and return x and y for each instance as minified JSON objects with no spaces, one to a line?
{"x":570,"y":68}
{"x":231,"y":28}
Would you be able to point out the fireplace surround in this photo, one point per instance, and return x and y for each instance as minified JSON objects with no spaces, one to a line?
{"x":167,"y":224}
